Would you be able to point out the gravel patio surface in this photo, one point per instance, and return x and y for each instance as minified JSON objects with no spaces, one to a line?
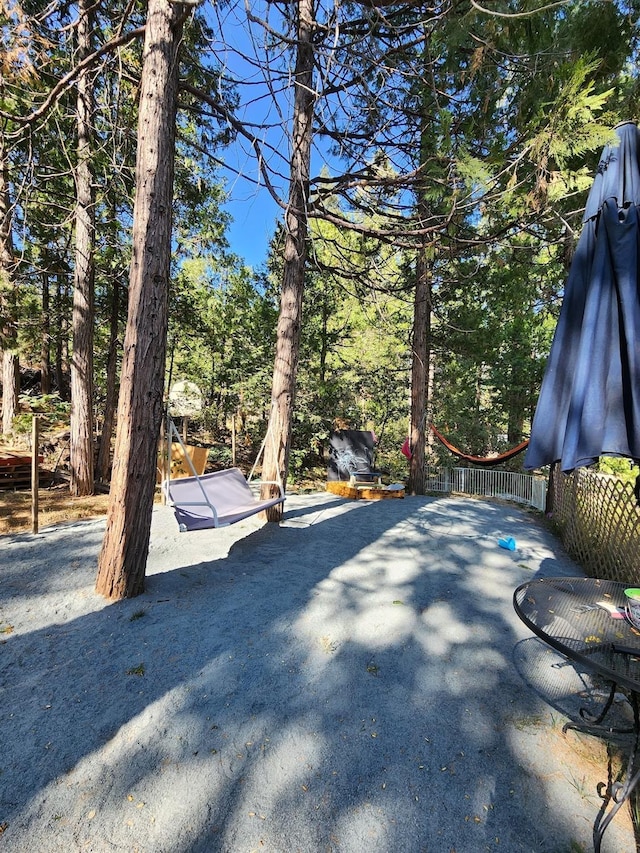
{"x":354,"y":680}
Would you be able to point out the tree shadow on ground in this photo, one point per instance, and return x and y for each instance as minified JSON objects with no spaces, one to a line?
{"x":343,"y":682}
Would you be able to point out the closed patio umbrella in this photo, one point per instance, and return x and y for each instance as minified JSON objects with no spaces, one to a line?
{"x":589,"y":404}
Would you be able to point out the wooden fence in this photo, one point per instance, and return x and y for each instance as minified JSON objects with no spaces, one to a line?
{"x":598,"y":519}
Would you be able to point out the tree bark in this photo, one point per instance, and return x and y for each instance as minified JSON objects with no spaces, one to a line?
{"x":421,"y":315}
{"x":419,"y":373}
{"x":45,"y":347}
{"x":81,"y":441}
{"x":8,"y":320}
{"x":276,"y":460}
{"x":104,"y":452}
{"x":10,"y":386}
{"x":122,"y":561}
{"x":61,"y":331}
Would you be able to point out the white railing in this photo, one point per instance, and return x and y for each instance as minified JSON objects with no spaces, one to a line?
{"x":509,"y":485}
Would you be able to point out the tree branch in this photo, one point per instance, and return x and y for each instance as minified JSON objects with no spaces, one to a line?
{"x":67,"y":81}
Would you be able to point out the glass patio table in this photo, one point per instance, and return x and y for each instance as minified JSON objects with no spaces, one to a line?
{"x":584,"y":619}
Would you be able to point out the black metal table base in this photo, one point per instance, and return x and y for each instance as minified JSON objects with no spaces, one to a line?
{"x":619,"y":792}
{"x":585,"y":620}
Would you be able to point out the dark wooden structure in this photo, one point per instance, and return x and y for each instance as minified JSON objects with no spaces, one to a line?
{"x":15,"y":469}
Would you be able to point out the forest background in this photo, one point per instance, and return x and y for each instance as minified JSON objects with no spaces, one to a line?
{"x":430,"y":165}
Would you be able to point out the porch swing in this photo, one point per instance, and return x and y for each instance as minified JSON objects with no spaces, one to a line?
{"x":218,"y":499}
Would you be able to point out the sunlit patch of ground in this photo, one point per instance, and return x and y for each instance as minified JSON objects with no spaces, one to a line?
{"x":55,"y":506}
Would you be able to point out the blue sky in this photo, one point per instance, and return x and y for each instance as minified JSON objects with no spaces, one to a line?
{"x":250,"y":204}
{"x":265,"y":108}
{"x":254,"y":216}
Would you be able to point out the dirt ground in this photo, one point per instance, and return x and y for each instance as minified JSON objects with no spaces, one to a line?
{"x":55,"y":506}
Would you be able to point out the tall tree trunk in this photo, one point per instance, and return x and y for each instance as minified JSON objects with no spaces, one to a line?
{"x":45,"y":348}
{"x":430,"y":439}
{"x":81,"y":444}
{"x":60,"y":312}
{"x":419,"y":372}
{"x":104,"y":452}
{"x":123,"y":558}
{"x":8,"y":319}
{"x":421,"y":313}
{"x":324,"y":346}
{"x":10,"y":388}
{"x":276,"y":461}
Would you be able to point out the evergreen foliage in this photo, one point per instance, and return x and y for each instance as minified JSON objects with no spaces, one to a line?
{"x":466,"y":136}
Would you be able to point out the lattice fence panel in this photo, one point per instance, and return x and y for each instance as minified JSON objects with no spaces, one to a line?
{"x":599,"y":522}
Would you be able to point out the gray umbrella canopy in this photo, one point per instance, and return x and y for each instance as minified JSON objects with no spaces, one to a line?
{"x":589,"y":404}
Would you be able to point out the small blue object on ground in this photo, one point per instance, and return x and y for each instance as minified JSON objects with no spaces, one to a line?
{"x":509,"y":543}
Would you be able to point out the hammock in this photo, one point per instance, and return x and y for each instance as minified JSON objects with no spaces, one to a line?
{"x":487,"y":461}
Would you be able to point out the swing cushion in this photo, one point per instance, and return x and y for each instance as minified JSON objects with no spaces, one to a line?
{"x":214,"y":500}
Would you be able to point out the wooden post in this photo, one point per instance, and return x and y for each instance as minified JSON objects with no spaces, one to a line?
{"x":35,"y":478}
